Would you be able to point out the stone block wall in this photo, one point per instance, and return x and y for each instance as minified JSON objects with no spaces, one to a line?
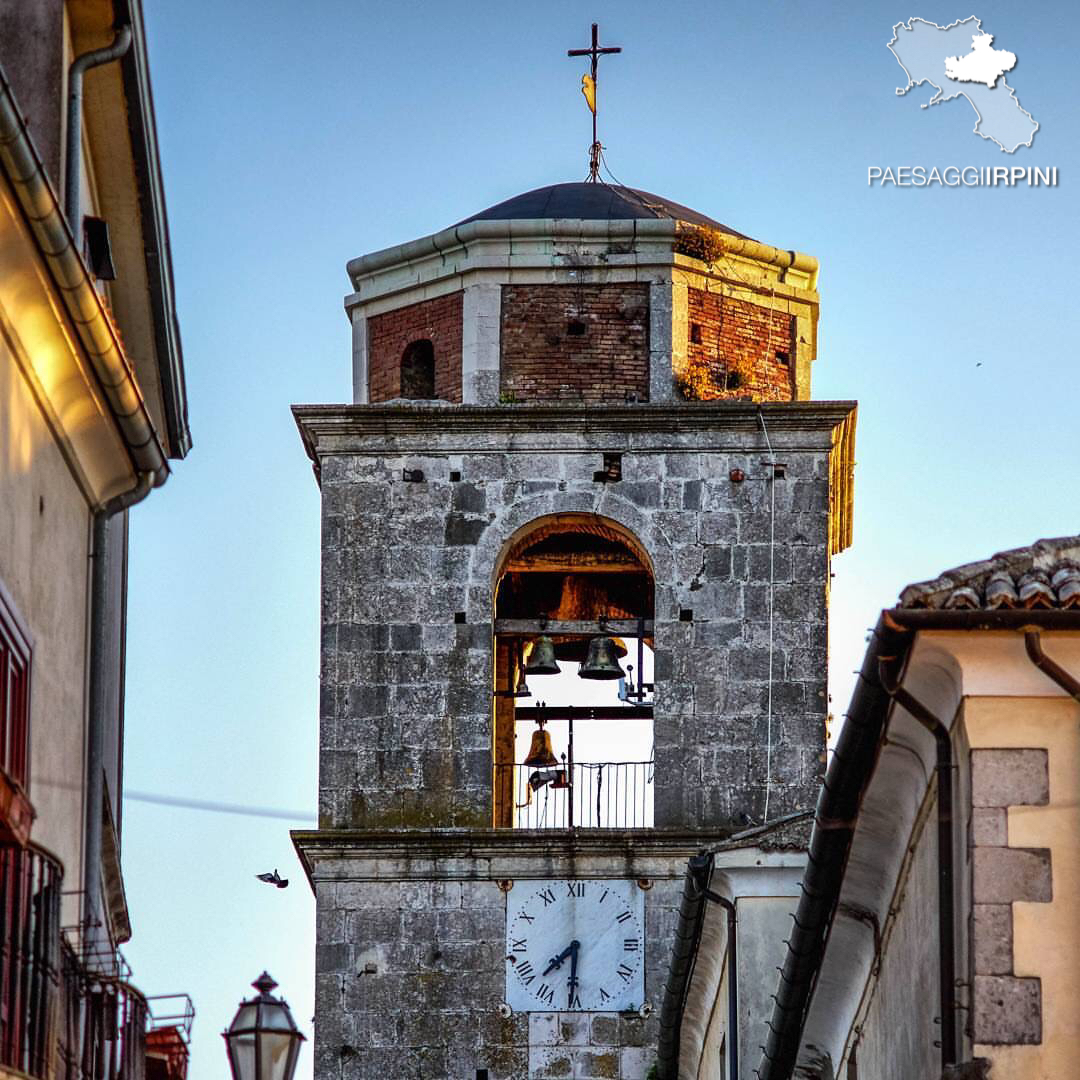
{"x":1007,"y":1007}
{"x":411,"y":977}
{"x":407,"y":605}
{"x":438,"y":321}
{"x":737,"y":349}
{"x":605,"y":360}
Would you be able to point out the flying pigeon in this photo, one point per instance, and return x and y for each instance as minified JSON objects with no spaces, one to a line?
{"x":274,"y":879}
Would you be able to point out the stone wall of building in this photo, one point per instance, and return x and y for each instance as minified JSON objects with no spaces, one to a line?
{"x":389,"y":334}
{"x":411,"y":976}
{"x":737,"y":349}
{"x":408,"y":575}
{"x":575,"y":342}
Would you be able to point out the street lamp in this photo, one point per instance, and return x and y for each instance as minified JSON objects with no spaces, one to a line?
{"x":263,"y":1041}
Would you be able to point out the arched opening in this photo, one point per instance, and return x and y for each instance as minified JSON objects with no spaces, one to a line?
{"x":418,"y":370}
{"x":573,"y":641}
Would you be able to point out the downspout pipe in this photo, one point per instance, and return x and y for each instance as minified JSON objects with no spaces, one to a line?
{"x":733,"y":981}
{"x":946,"y":911}
{"x":96,"y":718}
{"x":688,"y":926}
{"x":73,"y":159}
{"x":696,"y":891}
{"x":1051,"y":669}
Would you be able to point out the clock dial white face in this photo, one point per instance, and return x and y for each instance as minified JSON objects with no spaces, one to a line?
{"x":575,"y":945}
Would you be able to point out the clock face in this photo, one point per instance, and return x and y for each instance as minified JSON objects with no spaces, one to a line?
{"x":575,"y":946}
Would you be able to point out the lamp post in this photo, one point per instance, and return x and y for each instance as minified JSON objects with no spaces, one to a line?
{"x":263,"y":1041}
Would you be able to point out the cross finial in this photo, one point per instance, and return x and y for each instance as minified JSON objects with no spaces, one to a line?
{"x":588,"y":86}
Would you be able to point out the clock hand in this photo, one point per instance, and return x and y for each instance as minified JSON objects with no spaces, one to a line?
{"x":572,"y":982}
{"x":556,"y":961}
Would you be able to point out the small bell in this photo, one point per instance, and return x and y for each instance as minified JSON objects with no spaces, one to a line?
{"x":542,"y":658}
{"x":522,"y":687}
{"x":540,"y":753}
{"x":601,"y":661}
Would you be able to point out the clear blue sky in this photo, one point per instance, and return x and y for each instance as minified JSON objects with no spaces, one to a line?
{"x":294,"y":137}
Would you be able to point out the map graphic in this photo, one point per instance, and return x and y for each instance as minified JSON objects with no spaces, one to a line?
{"x":959,"y":60}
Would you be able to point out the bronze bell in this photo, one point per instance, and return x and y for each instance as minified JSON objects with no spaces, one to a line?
{"x":542,"y":658}
{"x":540,"y":755}
{"x":602,"y":661}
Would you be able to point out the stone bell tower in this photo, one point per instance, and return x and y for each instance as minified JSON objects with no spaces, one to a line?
{"x":580,"y":415}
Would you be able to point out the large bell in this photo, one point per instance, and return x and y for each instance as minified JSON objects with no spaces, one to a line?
{"x":540,"y":754}
{"x":542,"y":658}
{"x":602,"y":661}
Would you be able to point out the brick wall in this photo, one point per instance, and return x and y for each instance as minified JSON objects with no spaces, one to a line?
{"x":732,"y":348}
{"x":437,"y":320}
{"x":544,"y":360}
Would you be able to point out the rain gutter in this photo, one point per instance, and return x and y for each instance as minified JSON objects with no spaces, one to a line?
{"x":93,"y":326}
{"x":834,"y":827}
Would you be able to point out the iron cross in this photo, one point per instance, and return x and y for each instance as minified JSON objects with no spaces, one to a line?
{"x":595,"y":51}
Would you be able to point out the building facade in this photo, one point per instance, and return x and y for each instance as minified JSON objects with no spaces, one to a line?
{"x":937,"y":933}
{"x":92,"y":409}
{"x":581,"y":423}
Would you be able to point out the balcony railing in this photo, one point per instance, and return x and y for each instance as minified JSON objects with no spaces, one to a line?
{"x":103,"y":1036}
{"x":589,"y":795}
{"x":29,"y":957}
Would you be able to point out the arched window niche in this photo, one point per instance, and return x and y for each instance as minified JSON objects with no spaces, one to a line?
{"x":418,"y":370}
{"x":571,"y":749}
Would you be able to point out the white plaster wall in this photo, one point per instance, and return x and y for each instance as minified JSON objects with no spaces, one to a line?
{"x":44,"y":533}
{"x":898,"y":1029}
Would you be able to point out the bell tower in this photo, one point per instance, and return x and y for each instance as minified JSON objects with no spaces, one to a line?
{"x":576,"y":531}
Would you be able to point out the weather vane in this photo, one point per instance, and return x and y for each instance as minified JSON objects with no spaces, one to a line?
{"x":588,"y":88}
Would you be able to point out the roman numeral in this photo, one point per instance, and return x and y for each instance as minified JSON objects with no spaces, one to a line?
{"x":624,"y":972}
{"x":604,"y":996}
{"x":623,"y":917}
{"x":548,"y":897}
{"x":630,"y":944}
{"x":575,"y":888}
{"x":604,"y":897}
{"x":546,"y":993}
{"x":527,"y":918}
{"x":575,"y":1001}
{"x":518,"y":946}
{"x":525,"y":971}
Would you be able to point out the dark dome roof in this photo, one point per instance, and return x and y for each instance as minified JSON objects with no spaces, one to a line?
{"x":593,"y":202}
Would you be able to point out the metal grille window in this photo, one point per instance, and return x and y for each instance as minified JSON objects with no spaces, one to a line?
{"x":29,"y":958}
{"x":14,"y":694}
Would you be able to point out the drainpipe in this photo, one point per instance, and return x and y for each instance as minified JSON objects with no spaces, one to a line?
{"x":946,"y":914}
{"x":73,"y":160}
{"x":1052,"y":670}
{"x":733,"y":982}
{"x":96,"y":720}
{"x":687,"y":937}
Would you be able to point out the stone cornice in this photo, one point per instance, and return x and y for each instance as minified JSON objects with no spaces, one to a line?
{"x":494,"y":854}
{"x":335,"y":429}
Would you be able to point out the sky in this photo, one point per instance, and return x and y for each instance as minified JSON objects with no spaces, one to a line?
{"x":295,"y":137}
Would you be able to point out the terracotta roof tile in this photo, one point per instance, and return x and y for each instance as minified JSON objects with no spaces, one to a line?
{"x":1045,"y":575}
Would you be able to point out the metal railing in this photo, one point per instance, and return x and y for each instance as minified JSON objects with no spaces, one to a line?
{"x":588,"y":795}
{"x":30,"y":882}
{"x":103,"y":1035}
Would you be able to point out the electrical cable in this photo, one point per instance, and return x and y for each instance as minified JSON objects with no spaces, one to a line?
{"x":772,"y":578}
